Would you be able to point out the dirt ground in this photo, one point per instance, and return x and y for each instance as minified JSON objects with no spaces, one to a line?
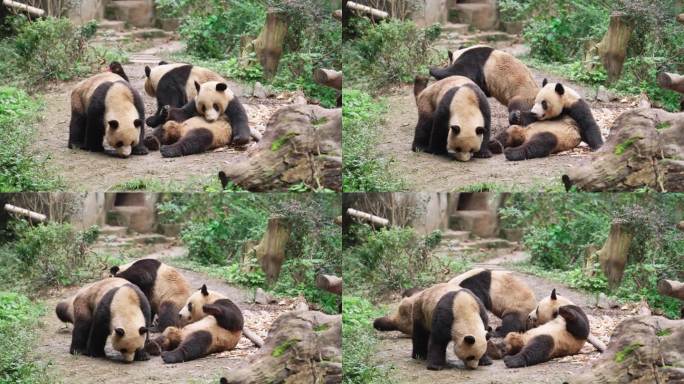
{"x":394,"y":348}
{"x":55,"y":338}
{"x":426,"y":172}
{"x":87,"y":171}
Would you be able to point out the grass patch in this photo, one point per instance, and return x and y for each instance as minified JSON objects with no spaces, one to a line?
{"x":664,"y":332}
{"x":622,"y":147}
{"x":663,"y":125}
{"x":537,"y":186}
{"x":280,"y":349}
{"x":279,"y":142}
{"x":209,"y":184}
{"x":321,"y":328}
{"x":621,"y":355}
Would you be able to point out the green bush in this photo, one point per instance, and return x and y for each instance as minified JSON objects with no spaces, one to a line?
{"x":18,"y":317}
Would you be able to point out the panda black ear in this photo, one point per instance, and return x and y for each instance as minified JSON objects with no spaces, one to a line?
{"x":553,"y":294}
{"x":147,"y":71}
{"x":469,"y":340}
{"x":143,"y":330}
{"x":113,"y":124}
{"x":224,"y":380}
{"x":113,"y":270}
{"x":544,"y":82}
{"x":204,"y":290}
{"x":559,"y":89}
{"x":162,"y":63}
{"x":120,"y":332}
{"x":451,"y":56}
{"x":197,"y":86}
{"x":221,"y":87}
{"x":137,"y":123}
{"x":479,"y":131}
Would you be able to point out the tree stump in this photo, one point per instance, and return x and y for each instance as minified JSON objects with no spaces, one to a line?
{"x":613,"y":255}
{"x":330,"y":283}
{"x":613,"y":47}
{"x":642,"y":350}
{"x":330,"y":78}
{"x":271,"y":250}
{"x":302,"y":144}
{"x":269,"y":45}
{"x":301,"y":347}
{"x":645,"y":148}
{"x":673,"y":82}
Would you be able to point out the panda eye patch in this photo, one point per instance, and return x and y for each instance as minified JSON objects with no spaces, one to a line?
{"x":545,"y":105}
{"x":470,"y":358}
{"x":458,"y":149}
{"x":190,"y":307}
{"x":124,"y":350}
{"x":216,"y":106}
{"x":119,"y":144}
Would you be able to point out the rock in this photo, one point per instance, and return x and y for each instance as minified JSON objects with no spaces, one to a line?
{"x":603,"y":94}
{"x":261,"y":297}
{"x":644,"y":102}
{"x":259,"y":91}
{"x":302,"y":306}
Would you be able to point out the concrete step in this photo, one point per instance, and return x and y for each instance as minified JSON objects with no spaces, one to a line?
{"x":111,"y":25}
{"x":492,"y":243}
{"x":113,"y":230}
{"x":150,"y":238}
{"x":456,"y":235}
{"x":138,"y":13}
{"x":451,"y":28}
{"x":491,"y":36}
{"x":147,"y":33}
{"x":480,"y":16}
{"x":137,"y":218}
{"x":144,"y":58}
{"x":480,"y":222}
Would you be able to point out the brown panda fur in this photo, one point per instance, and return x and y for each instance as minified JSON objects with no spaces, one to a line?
{"x":444,"y":313}
{"x":505,"y":295}
{"x":110,"y":308}
{"x":400,"y":319}
{"x":165,"y":288}
{"x":539,"y":139}
{"x":192,"y":136}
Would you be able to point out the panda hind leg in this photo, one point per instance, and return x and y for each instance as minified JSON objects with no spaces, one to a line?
{"x":196,"y":345}
{"x":196,"y":141}
{"x":538,"y":350}
{"x":539,"y":145}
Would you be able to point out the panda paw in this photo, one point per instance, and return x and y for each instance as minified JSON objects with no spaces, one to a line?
{"x":434,"y":367}
{"x":514,"y":118}
{"x":485,"y":360}
{"x":152,"y":348}
{"x":141,"y":355}
{"x":152,"y":143}
{"x":140,"y":150}
{"x":169,"y":151}
{"x":514,"y":361}
{"x":172,"y":357}
{"x":485,"y":154}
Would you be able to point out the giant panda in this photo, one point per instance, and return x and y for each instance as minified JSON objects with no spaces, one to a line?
{"x":165,"y":288}
{"x":400,"y":319}
{"x":453,"y":116}
{"x":174,"y":85}
{"x":110,"y":307}
{"x":505,"y":295}
{"x":445,"y":313}
{"x":498,"y":74}
{"x":539,"y":139}
{"x":214,"y":100}
{"x":214,"y":324}
{"x":194,"y":135}
{"x":554,"y":100}
{"x":561,"y":329}
{"x":106,"y":106}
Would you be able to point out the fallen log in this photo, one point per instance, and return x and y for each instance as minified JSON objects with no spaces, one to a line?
{"x":613,"y":47}
{"x":253,"y":337}
{"x":671,"y":81}
{"x":302,"y":145}
{"x":376,"y":13}
{"x":269,"y":44}
{"x":671,"y":288}
{"x":23,"y":7}
{"x":25,"y":212}
{"x":376,"y":220}
{"x":330,"y":283}
{"x":644,"y":148}
{"x":680,"y":18}
{"x":328,"y":77}
{"x":301,"y":347}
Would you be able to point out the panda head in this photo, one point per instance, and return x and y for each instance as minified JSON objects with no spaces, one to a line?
{"x":549,"y":101}
{"x":128,"y":338}
{"x":193,"y":310}
{"x":547,"y":309}
{"x":123,"y":134}
{"x":212,"y":99}
{"x":471,"y":347}
{"x":466,"y":125}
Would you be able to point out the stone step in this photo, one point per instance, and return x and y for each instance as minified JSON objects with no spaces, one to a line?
{"x":490,"y":36}
{"x":456,"y":235}
{"x":451,"y":28}
{"x":113,"y":230}
{"x":479,"y":222}
{"x":150,"y":238}
{"x":137,"y":218}
{"x":144,"y":58}
{"x":480,"y":16}
{"x":138,"y":13}
{"x":111,"y":25}
{"x":147,"y":33}
{"x":492,"y":243}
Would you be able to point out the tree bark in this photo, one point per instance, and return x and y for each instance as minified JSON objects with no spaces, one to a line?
{"x":375,"y":220}
{"x":328,"y":77}
{"x":376,"y":13}
{"x":590,"y":259}
{"x":302,"y":145}
{"x":301,"y":347}
{"x":330,"y":283}
{"x":271,"y":250}
{"x":269,"y":45}
{"x":23,"y":7}
{"x":613,"y":255}
{"x":613,"y":48}
{"x":671,"y":81}
{"x":671,"y":288}
{"x":25,"y":212}
{"x":644,"y":148}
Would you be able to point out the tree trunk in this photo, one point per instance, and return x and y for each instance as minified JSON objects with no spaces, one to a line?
{"x":269,"y":45}
{"x":589,"y":260}
{"x":671,"y":288}
{"x":375,"y":13}
{"x":301,"y":347}
{"x":330,"y":283}
{"x":271,"y":250}
{"x":644,"y":148}
{"x":302,"y":145}
{"x":613,"y":255}
{"x":374,"y":220}
{"x":613,"y":48}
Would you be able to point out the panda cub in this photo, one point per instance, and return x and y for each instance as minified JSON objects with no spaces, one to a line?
{"x":106,"y":106}
{"x":562,"y":330}
{"x":453,"y":116}
{"x":194,"y":135}
{"x":165,"y":288}
{"x":539,"y":139}
{"x":555,"y":100}
{"x":112,"y":308}
{"x":444,"y":313}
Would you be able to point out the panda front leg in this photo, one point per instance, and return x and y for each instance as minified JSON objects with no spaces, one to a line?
{"x":197,"y":140}
{"x":421,"y":136}
{"x":436,"y":355}
{"x":196,"y":345}
{"x":237,"y":116}
{"x":538,"y":350}
{"x":511,"y":322}
{"x":420,"y":338}
{"x":79,"y":335}
{"x":77,"y":126}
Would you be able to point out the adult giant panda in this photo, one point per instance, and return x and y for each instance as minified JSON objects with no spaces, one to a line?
{"x":453,"y":116}
{"x":445,"y":313}
{"x":539,"y":139}
{"x":554,"y":100}
{"x":401,"y":319}
{"x":165,"y":288}
{"x":213,"y":101}
{"x":194,"y":135}
{"x":563,"y":334}
{"x":505,"y":295}
{"x":110,"y":307}
{"x":498,"y":74}
{"x":174,"y":85}
{"x":106,"y":106}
